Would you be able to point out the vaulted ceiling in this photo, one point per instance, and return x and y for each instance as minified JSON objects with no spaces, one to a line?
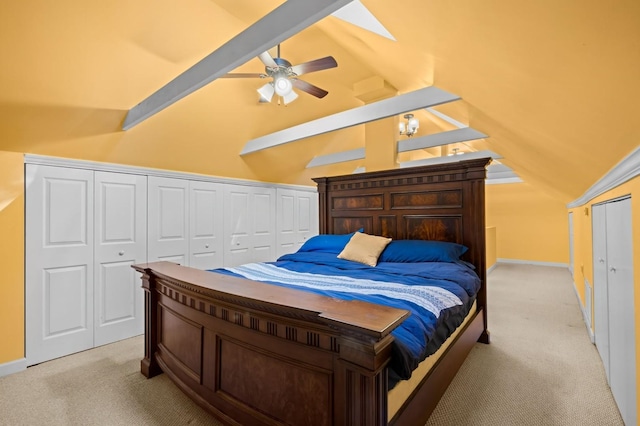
{"x":553,"y":83}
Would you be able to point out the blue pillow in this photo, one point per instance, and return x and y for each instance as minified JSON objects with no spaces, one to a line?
{"x":422,"y":251}
{"x":327,"y":243}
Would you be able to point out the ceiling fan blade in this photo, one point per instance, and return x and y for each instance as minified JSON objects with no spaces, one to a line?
{"x":315,"y":65}
{"x":267,"y":60}
{"x":309,"y":88}
{"x":243,"y":75}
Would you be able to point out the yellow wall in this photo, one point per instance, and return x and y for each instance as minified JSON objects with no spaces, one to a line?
{"x":583,"y":236}
{"x":530,"y":225}
{"x":583,"y":252}
{"x":12,"y":255}
{"x":491,"y":246}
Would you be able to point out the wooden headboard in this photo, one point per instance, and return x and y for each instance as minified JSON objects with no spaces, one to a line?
{"x":443,"y":202}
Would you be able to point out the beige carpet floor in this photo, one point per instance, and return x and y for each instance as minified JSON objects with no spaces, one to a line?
{"x":540,"y":369}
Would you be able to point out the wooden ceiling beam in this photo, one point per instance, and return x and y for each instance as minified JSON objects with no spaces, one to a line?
{"x":422,"y":98}
{"x":283,"y":22}
{"x":451,"y":158}
{"x":337,"y":157}
{"x":439,"y":139}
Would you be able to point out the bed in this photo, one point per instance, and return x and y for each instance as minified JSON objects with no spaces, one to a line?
{"x":254,"y":353}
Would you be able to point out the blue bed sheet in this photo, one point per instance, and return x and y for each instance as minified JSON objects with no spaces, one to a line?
{"x":437,"y":294}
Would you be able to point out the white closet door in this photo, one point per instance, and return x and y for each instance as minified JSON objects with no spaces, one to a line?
{"x":206,"y":226}
{"x":249,"y":222}
{"x":59,"y":262}
{"x":168,"y":217}
{"x":307,"y":215}
{"x":264,"y":224}
{"x":622,"y":342}
{"x":120,"y":241}
{"x":286,"y":226}
{"x":297,"y":219}
{"x":237,"y":219}
{"x":601,"y":299}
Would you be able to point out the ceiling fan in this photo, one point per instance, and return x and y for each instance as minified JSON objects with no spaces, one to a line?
{"x":285,"y":77}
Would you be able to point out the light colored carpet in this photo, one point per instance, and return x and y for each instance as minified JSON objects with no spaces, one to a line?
{"x":540,"y":369}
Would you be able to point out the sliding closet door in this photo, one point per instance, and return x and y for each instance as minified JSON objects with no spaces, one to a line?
{"x":120,"y":241}
{"x":622,"y":342}
{"x":59,"y":262}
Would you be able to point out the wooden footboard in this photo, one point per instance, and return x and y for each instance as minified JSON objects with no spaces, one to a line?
{"x":253,"y":353}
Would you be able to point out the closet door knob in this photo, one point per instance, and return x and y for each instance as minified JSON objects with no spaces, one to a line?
{"x":206,"y":246}
{"x":612,"y":269}
{"x":121,"y":253}
{"x":601,"y":260}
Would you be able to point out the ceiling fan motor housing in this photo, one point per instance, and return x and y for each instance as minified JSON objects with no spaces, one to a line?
{"x":284,"y":68}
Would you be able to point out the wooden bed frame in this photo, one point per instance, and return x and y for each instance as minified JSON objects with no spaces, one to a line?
{"x":253,"y":353}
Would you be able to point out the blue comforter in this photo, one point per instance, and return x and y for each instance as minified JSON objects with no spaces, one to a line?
{"x":437,"y":294}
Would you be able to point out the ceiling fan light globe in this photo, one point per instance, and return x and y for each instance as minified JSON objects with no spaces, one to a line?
{"x":401,"y":127}
{"x":290,"y":97}
{"x":413,"y":125}
{"x":283,"y":86}
{"x":266,"y":92}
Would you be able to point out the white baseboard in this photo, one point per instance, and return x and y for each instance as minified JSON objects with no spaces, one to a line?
{"x":585,"y":318}
{"x":533,"y":262}
{"x":13,"y":367}
{"x":492,"y":267}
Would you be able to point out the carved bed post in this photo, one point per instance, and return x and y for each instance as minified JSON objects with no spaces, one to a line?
{"x":323,"y":220}
{"x":361,"y":382}
{"x":478,"y":190}
{"x":476,"y":175}
{"x":149,"y":366}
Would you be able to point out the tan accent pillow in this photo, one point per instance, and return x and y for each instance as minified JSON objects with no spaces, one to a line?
{"x":364,"y":248}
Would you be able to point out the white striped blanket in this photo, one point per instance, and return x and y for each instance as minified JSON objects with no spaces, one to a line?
{"x":434,"y":299}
